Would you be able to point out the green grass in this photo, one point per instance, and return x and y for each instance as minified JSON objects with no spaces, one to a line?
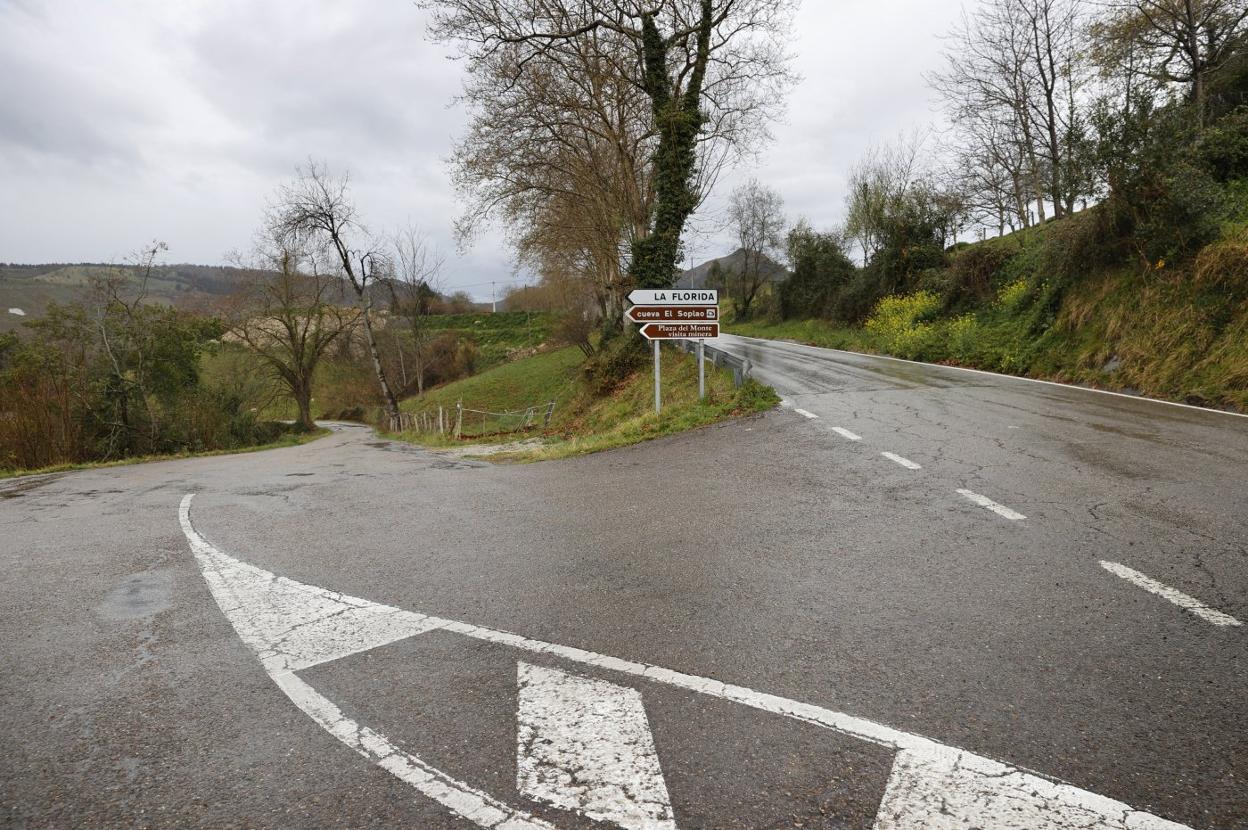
{"x":499,"y":337}
{"x":584,"y":422}
{"x":290,"y":439}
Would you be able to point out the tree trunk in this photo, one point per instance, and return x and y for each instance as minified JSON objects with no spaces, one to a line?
{"x":302,"y":393}
{"x":390,"y":403}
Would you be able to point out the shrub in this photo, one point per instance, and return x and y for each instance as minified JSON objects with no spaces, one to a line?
{"x":614,"y":364}
{"x":1222,"y":149}
{"x":972,"y":274}
{"x":900,"y":323}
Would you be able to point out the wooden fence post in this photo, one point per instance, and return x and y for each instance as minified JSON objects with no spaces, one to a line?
{"x":459,"y":418}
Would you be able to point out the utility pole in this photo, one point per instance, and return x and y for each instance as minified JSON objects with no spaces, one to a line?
{"x":493,"y":301}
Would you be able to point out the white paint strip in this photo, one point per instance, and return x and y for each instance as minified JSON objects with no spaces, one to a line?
{"x":922,"y":767}
{"x":584,"y":744}
{"x":905,"y":462}
{"x":806,"y":414}
{"x":945,"y":789}
{"x":1000,"y":510}
{"x":844,"y":433}
{"x":1174,"y":595}
{"x":270,"y":612}
{"x":1005,"y":377}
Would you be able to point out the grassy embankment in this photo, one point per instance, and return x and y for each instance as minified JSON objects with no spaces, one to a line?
{"x":493,"y":339}
{"x":584,"y":421}
{"x":1176,"y":331}
{"x":289,"y":439}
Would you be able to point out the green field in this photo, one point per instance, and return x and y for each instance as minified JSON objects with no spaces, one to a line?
{"x":498,"y":337}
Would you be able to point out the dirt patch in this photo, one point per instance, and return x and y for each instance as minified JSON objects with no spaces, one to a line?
{"x":486,"y":450}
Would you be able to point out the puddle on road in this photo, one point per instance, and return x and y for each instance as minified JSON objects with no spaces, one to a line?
{"x":140,"y":596}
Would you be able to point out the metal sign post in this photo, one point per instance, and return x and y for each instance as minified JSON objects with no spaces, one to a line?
{"x":658,"y":395}
{"x":701,"y":370}
{"x":672,"y":314}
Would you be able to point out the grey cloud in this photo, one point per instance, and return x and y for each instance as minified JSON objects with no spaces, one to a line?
{"x":125,"y":121}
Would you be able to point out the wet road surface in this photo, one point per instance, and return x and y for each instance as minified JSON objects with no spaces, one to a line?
{"x":769,"y":623}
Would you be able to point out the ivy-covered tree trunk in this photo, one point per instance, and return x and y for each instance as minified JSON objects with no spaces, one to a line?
{"x":678,"y":119}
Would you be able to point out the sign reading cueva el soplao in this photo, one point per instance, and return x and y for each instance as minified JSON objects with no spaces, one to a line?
{"x":672,"y":313}
{"x":673,"y":297}
{"x":680,"y":331}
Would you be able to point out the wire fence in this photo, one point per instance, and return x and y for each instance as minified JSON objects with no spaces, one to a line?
{"x":460,"y":421}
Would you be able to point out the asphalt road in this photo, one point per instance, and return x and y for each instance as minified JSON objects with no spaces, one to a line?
{"x":1043,"y":577}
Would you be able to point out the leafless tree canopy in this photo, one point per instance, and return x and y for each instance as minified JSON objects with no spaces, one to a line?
{"x":315,"y":210}
{"x":1174,"y":42}
{"x":289,"y":310}
{"x":757,"y":216}
{"x":566,"y":127}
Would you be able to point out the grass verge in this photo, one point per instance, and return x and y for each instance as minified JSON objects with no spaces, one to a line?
{"x":583,"y":422}
{"x":289,"y":439}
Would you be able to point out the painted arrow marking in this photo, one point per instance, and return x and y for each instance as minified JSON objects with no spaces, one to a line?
{"x":292,"y":626}
{"x":585,"y":744}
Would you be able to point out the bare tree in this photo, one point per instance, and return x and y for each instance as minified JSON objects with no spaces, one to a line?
{"x":288,"y":312}
{"x":878,"y":182}
{"x":1175,"y":41}
{"x":413,"y":288}
{"x":757,"y":214}
{"x":702,"y":68}
{"x":1057,"y":72}
{"x":316,"y":210}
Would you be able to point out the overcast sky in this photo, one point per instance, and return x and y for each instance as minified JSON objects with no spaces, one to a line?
{"x":122,"y":122}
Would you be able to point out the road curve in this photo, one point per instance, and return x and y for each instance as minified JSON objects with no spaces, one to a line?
{"x":966,"y":596}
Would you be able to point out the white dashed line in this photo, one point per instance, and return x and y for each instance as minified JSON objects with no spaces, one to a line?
{"x":1000,"y":510}
{"x":1174,"y":595}
{"x":905,"y":462}
{"x":805,"y":414}
{"x":844,"y":433}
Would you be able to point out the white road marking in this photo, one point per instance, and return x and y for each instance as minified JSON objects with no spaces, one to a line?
{"x":1174,"y":595}
{"x":933,"y":785}
{"x":951,"y":790}
{"x":274,"y":615}
{"x":905,"y":462}
{"x":584,"y":744}
{"x":844,"y":433}
{"x":806,"y":414}
{"x":1000,"y":510}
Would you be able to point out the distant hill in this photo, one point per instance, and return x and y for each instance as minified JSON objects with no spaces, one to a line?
{"x":696,"y":278}
{"x":27,"y":290}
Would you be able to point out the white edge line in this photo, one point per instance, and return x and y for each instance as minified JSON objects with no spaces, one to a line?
{"x":999,"y":375}
{"x":806,"y":414}
{"x":844,"y":433}
{"x":905,"y":462}
{"x":999,"y":509}
{"x":1189,"y":603}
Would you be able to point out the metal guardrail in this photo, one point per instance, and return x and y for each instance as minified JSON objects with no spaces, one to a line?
{"x":740,"y":366}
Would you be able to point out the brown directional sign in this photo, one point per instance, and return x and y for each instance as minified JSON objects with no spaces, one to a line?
{"x":679,"y":331}
{"x":673,"y":313}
